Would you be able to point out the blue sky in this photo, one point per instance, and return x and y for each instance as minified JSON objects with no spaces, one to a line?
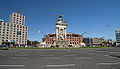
{"x":99,"y":17}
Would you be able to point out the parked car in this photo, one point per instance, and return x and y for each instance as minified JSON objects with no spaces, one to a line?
{"x":4,"y":47}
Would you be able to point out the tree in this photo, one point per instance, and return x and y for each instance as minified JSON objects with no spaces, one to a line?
{"x":35,"y":42}
{"x":29,"y":42}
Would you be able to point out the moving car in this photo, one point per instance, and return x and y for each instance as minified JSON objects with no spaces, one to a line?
{"x":4,"y":47}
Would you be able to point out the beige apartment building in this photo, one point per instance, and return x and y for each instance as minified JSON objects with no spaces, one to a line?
{"x":15,"y":30}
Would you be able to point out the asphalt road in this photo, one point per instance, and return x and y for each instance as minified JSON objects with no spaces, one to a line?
{"x":104,"y":58}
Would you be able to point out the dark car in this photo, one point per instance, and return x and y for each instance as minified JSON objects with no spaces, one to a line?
{"x":4,"y":47}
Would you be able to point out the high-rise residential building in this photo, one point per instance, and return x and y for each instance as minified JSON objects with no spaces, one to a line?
{"x":15,"y":30}
{"x":117,"y":32}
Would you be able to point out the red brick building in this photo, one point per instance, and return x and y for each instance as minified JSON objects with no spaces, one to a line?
{"x":74,"y":39}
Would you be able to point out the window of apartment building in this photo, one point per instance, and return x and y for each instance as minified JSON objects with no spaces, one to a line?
{"x":14,"y":15}
{"x":17,"y":15}
{"x":14,"y":25}
{"x":7,"y":27}
{"x":3,"y":40}
{"x":6,"y":35}
{"x":14,"y":19}
{"x":3,"y":34}
{"x":13,"y":35}
{"x":10,"y":35}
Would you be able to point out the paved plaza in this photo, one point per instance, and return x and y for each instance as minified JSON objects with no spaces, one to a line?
{"x":99,"y":58}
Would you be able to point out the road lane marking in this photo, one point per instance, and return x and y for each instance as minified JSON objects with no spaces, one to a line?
{"x":21,"y":55}
{"x":113,"y":52}
{"x":91,"y":50}
{"x":60,"y":65}
{"x":101,"y":51}
{"x":83,"y":57}
{"x":108,"y":63}
{"x":46,"y":55}
{"x":68,"y":55}
{"x":11,"y":65}
{"x":51,"y":58}
{"x":106,"y":55}
{"x":18,"y":58}
{"x":91,"y":53}
{"x":111,"y":57}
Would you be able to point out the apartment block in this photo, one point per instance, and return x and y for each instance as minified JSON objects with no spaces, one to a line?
{"x":117,"y":32}
{"x":15,"y":30}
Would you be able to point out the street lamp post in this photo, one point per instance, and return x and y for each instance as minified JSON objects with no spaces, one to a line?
{"x":82,"y":35}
